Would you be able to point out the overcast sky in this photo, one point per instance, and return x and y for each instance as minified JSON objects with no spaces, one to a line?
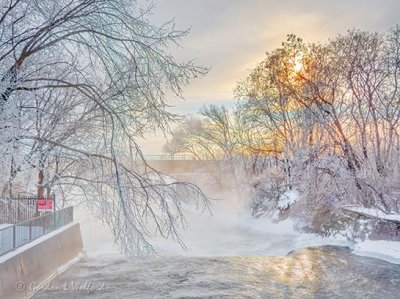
{"x":231,"y":36}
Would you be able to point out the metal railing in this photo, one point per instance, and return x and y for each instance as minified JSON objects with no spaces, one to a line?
{"x":17,"y":209}
{"x":176,"y":157}
{"x":14,"y":210}
{"x":14,"y":236}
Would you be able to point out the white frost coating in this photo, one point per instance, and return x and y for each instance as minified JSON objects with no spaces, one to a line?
{"x":78,"y":89}
{"x":287,"y":199}
{"x":374,"y":213}
{"x":385,"y":250}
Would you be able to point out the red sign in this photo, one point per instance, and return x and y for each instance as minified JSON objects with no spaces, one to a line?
{"x":45,"y":205}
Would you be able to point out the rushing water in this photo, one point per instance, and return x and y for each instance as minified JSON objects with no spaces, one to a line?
{"x":318,"y":272}
{"x":230,"y":256}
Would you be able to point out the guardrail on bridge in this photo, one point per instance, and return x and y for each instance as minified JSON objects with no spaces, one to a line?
{"x":175,"y":157}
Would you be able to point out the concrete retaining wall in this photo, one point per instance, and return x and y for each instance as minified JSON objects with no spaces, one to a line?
{"x":26,"y":268}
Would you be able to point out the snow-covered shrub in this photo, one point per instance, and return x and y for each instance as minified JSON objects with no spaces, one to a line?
{"x":269,"y":192}
{"x":287,"y":199}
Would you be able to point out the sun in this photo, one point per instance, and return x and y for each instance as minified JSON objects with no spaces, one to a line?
{"x":298,"y":65}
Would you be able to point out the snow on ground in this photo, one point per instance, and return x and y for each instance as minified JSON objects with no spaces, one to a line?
{"x":385,"y":250}
{"x":374,"y":213}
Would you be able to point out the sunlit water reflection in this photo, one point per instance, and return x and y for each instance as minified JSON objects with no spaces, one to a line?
{"x":318,"y":272}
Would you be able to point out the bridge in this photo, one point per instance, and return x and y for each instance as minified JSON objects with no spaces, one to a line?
{"x":182,"y":164}
{"x":186,"y":168}
{"x":168,"y":157}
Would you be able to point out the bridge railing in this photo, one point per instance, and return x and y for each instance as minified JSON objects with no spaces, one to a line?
{"x":14,"y":236}
{"x":175,"y":157}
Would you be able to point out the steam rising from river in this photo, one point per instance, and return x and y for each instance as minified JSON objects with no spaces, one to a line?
{"x":229,"y":231}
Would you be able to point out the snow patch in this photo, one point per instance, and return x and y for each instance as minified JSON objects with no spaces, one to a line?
{"x":287,"y":199}
{"x":385,"y":250}
{"x":374,"y":213}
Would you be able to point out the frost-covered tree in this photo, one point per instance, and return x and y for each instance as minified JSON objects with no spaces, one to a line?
{"x":214,"y":134}
{"x":333,"y":108}
{"x":80,"y":82}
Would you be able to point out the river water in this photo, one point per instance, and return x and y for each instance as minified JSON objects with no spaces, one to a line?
{"x":230,"y":255}
{"x":319,"y":272}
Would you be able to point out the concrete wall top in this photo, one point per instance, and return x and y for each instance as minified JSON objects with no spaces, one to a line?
{"x":24,"y":269}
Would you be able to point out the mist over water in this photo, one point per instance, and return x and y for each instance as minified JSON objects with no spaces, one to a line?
{"x":229,"y":255}
{"x":228,"y":230}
